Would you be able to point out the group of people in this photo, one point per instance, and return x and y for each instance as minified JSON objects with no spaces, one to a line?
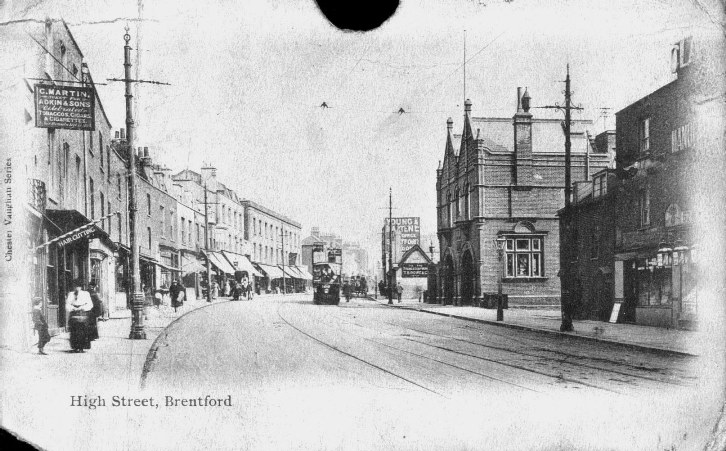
{"x":397,"y":290}
{"x":241,"y":289}
{"x":84,"y":310}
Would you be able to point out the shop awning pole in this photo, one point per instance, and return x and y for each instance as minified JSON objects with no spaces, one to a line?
{"x":48,"y":243}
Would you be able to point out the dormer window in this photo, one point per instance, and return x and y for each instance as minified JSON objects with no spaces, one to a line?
{"x":644,"y":135}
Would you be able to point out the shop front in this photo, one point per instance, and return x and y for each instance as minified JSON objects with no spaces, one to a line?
{"x":71,"y":259}
{"x":655,"y":279}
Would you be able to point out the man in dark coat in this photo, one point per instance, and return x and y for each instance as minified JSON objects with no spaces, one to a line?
{"x":174,"y":293}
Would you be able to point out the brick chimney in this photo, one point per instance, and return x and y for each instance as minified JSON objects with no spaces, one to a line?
{"x":523,"y":140}
{"x":209,"y":176}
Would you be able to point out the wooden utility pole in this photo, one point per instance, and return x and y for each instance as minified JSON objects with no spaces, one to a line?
{"x":390,"y":245}
{"x":206,"y":244}
{"x":567,"y":271}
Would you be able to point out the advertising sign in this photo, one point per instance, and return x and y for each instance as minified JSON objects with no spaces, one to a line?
{"x":88,"y":232}
{"x":406,"y":234}
{"x":66,"y":107}
{"x":411,"y":270}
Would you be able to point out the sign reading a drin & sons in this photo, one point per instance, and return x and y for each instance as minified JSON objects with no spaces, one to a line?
{"x":67,"y":107}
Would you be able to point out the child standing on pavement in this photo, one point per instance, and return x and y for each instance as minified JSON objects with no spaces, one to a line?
{"x":41,"y":325}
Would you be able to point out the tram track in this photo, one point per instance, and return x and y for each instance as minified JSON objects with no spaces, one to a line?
{"x":562,"y":361}
{"x":335,"y":348}
{"x":558,"y":377}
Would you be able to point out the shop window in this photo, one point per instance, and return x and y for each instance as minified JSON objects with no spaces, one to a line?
{"x":654,"y":282}
{"x":524,"y":256}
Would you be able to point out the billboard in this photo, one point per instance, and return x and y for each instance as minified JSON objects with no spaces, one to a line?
{"x":406,"y":234}
{"x":70,"y":108}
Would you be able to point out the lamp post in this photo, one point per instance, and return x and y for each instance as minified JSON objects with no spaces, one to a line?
{"x":499,"y":243}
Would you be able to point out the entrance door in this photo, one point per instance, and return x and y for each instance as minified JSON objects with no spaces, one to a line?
{"x":449,"y":281}
{"x":468,"y":279}
{"x":630,"y":291}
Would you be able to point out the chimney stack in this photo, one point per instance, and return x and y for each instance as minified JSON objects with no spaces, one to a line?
{"x":467,"y":106}
{"x":117,"y":134}
{"x":523,"y":140}
{"x":123,"y":133}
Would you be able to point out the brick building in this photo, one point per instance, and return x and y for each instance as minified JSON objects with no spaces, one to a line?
{"x":631,"y":237}
{"x":505,"y":177}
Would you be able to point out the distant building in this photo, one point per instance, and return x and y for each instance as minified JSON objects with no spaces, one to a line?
{"x":504,"y":177}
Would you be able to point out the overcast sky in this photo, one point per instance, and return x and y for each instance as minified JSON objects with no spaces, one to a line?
{"x":247,"y":79}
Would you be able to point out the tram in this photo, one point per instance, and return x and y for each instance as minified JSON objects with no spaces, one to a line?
{"x":327,"y":266}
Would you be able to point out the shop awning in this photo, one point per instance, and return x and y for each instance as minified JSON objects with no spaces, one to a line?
{"x":272,"y":272}
{"x":241,"y":263}
{"x":219,"y":261}
{"x":170,"y":268}
{"x":190,"y":264}
{"x":76,"y":227}
{"x":289,"y":272}
{"x":304,"y":273}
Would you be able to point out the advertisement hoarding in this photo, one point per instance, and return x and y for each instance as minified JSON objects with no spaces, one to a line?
{"x":66,"y":107}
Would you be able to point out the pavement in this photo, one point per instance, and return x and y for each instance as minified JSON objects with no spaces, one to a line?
{"x":547,"y":319}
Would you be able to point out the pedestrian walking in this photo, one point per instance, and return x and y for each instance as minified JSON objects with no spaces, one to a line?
{"x":79,"y":306}
{"x":382,"y":288}
{"x":236,"y":290}
{"x":215,"y":290}
{"x":347,"y":291}
{"x":175,"y":293}
{"x":399,"y":291}
{"x":95,"y":313}
{"x":247,"y":287}
{"x":40,"y":324}
{"x":228,"y":287}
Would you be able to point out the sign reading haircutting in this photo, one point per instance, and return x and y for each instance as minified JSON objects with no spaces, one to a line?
{"x":84,"y":233}
{"x":66,"y":107}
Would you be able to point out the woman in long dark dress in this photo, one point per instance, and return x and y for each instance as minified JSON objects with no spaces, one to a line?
{"x":79,"y":306}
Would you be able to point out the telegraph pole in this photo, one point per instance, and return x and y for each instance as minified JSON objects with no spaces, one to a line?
{"x":390,"y":245}
{"x":282,"y":236}
{"x":568,"y":274}
{"x":206,"y":244}
{"x":137,"y":306}
{"x":137,"y":303}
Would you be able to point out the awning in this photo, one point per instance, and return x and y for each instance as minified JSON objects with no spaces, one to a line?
{"x":191,"y":265}
{"x":272,"y":272}
{"x":304,"y":272}
{"x":170,"y":268}
{"x":241,"y":263}
{"x":289,"y":272}
{"x":76,"y":227}
{"x":219,"y":261}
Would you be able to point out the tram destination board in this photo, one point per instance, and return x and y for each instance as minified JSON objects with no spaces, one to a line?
{"x":64,"y":107}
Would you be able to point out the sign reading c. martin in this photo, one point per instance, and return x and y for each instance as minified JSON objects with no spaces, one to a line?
{"x":66,"y":107}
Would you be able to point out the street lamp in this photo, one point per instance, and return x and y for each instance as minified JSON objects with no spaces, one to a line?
{"x":499,"y":243}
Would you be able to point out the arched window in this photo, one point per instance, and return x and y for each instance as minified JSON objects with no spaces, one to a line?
{"x":449,"y":210}
{"x":458,"y":203}
{"x":467,"y":207}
